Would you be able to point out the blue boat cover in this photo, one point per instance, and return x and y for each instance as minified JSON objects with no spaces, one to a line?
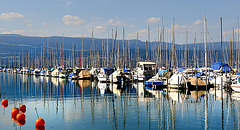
{"x":161,"y":72}
{"x":198,"y":74}
{"x":71,"y":74}
{"x":180,"y":70}
{"x":238,"y":73}
{"x":218,"y":65}
{"x":107,"y":68}
{"x":125,"y":69}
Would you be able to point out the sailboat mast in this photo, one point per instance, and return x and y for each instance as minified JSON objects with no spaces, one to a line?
{"x":233,"y":58}
{"x":238,"y":43}
{"x":185,"y":53}
{"x":112,"y":49}
{"x":56,"y":55}
{"x":107,"y":51}
{"x":138,"y":59}
{"x":81,"y":55}
{"x":221,"y":41}
{"x":194,"y":53}
{"x":173,"y":47}
{"x":123,"y":49}
{"x":158,"y":48}
{"x":205,"y":39}
{"x":62,"y":48}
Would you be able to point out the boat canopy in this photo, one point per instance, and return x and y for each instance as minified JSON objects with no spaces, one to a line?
{"x":218,"y":65}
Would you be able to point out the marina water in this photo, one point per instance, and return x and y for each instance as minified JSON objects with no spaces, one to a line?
{"x":65,"y":104}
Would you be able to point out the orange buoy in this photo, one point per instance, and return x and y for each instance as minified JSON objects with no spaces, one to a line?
{"x":39,"y":127}
{"x":15,"y":111}
{"x":20,"y":116}
{"x":39,"y":122}
{"x":21,"y":122}
{"x":22,"y":110}
{"x":4,"y":101}
{"x":4,"y":105}
{"x":22,"y":107}
{"x":13,"y":117}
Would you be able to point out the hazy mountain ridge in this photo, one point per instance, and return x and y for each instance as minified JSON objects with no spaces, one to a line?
{"x":12,"y":42}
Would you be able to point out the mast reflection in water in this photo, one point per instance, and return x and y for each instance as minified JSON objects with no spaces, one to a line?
{"x":84,"y":104}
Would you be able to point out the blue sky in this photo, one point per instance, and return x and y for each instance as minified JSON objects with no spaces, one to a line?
{"x":78,"y":17}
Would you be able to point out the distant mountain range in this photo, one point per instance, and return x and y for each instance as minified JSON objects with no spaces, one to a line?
{"x":10,"y":43}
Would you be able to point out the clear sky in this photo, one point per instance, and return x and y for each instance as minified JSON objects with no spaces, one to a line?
{"x":79,"y":17}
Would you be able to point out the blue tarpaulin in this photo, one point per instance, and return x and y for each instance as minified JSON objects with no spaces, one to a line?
{"x":125,"y":69}
{"x":238,"y":73}
{"x":42,"y":71}
{"x":218,"y":65}
{"x":71,"y":74}
{"x":198,"y":74}
{"x":161,"y":72}
{"x":180,"y":70}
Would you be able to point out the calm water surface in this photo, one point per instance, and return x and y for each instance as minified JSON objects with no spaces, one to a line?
{"x":89,"y":105}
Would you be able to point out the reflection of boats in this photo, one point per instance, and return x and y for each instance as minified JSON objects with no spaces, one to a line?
{"x":102,"y":87}
{"x":217,"y":93}
{"x":55,"y":81}
{"x":236,"y":96}
{"x":176,"y":95}
{"x":84,"y":83}
{"x":116,"y":89}
{"x":35,"y":79}
{"x":144,"y":94}
{"x":139,"y":88}
{"x":62,"y":80}
{"x":155,"y":93}
{"x":197,"y":94}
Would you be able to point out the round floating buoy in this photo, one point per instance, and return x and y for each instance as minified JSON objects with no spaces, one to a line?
{"x":15,"y":111}
{"x":21,"y":122}
{"x":22,"y":110}
{"x":39,"y":127}
{"x":39,"y":122}
{"x":4,"y":101}
{"x":4,"y":105}
{"x":20,"y":116}
{"x":22,"y":107}
{"x":13,"y":117}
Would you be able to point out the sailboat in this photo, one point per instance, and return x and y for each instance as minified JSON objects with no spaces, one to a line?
{"x":104,"y":74}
